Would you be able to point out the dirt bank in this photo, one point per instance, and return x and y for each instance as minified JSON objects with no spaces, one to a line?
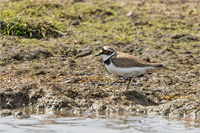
{"x":41,"y":71}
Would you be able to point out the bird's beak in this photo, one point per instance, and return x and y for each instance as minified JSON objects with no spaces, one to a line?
{"x":97,"y":54}
{"x":100,"y":52}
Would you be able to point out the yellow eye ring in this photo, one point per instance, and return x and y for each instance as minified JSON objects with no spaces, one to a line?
{"x":105,"y":51}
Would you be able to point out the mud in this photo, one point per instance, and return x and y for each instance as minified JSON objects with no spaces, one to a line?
{"x":44,"y":73}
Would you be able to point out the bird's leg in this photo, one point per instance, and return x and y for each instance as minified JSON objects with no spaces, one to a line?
{"x":128,"y":83}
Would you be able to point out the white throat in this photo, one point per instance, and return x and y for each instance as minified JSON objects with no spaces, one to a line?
{"x":105,"y":57}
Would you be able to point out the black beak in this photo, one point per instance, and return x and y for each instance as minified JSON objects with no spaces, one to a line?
{"x":98,"y":54}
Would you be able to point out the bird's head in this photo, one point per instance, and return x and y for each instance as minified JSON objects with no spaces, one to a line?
{"x":106,"y":52}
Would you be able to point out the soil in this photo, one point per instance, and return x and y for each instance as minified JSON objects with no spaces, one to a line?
{"x":44,"y":73}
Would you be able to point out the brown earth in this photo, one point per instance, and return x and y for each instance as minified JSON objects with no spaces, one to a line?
{"x":37,"y":78}
{"x":40,"y":77}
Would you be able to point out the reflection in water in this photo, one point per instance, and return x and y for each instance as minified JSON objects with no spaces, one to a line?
{"x":46,"y":120}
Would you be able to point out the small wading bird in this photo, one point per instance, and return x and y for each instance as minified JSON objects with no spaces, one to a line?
{"x":125,"y":65}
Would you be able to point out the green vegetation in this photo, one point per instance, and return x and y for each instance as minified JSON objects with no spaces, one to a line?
{"x":99,"y":21}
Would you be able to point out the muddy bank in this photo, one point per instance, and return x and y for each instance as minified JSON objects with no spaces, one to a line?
{"x":43,"y":72}
{"x":59,"y":82}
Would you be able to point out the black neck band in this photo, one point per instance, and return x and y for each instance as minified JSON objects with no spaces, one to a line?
{"x":108,"y":61}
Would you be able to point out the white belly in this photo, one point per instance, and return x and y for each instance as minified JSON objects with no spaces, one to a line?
{"x":126,"y":72}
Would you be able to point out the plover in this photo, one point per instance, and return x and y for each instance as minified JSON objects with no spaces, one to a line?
{"x":125,"y":65}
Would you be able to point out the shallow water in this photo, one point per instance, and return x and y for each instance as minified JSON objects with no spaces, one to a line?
{"x":43,"y":121}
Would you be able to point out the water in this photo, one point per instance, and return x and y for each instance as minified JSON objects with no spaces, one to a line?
{"x":48,"y":121}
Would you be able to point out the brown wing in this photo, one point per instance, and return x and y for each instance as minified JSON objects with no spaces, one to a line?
{"x":126,"y":60}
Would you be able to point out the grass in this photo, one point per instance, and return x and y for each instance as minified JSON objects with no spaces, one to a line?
{"x":161,"y":25}
{"x":98,"y":22}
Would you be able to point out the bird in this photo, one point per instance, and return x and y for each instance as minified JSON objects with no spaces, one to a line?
{"x":124,"y":65}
